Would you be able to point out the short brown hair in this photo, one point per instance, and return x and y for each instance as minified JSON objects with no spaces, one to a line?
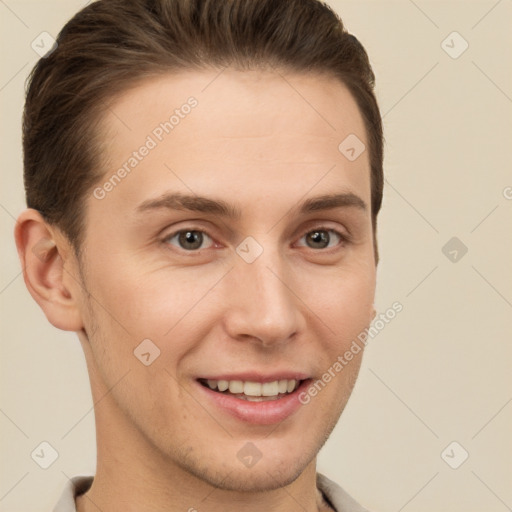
{"x":111,"y":45}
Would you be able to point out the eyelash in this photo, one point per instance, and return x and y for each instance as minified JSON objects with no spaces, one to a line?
{"x":344,"y":238}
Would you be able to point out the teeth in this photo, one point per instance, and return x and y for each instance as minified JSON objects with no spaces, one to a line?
{"x":270,"y":388}
{"x":223,"y":385}
{"x":254,"y":389}
{"x":236,"y":386}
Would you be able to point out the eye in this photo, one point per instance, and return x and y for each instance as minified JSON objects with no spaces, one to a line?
{"x":321,"y":238}
{"x":188,"y":239}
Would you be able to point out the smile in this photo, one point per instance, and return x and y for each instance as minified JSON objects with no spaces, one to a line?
{"x":253,"y":402}
{"x":253,"y":391}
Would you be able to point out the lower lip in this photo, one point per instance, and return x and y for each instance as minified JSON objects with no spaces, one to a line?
{"x":258,"y":413}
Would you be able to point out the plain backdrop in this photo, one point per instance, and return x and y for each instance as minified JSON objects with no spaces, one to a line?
{"x":435,"y":383}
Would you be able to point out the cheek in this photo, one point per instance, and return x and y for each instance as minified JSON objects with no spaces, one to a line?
{"x":143,"y":300}
{"x":343,"y":299}
{"x":163,"y":301}
{"x":172,"y":307}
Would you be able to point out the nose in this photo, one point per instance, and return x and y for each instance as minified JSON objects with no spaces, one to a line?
{"x":260,"y":302}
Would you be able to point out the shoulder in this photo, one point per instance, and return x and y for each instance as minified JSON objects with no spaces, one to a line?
{"x":338,"y":497}
{"x":75,"y":486}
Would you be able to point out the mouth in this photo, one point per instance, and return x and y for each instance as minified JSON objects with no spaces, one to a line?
{"x":252,"y":391}
{"x":253,"y":397}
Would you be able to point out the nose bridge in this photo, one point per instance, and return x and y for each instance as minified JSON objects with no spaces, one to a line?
{"x":262,"y":304}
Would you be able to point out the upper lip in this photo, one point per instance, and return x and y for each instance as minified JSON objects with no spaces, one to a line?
{"x":259,"y":376}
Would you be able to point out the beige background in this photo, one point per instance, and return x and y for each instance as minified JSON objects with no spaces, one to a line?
{"x":439,"y":372}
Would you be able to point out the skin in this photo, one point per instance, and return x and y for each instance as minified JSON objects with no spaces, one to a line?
{"x":254,"y":142}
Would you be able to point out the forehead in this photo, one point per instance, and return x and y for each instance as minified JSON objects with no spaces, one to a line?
{"x":199,"y":131}
{"x":259,"y":102}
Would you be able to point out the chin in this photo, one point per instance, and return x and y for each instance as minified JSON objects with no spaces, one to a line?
{"x":253,"y":479}
{"x":230,"y":474}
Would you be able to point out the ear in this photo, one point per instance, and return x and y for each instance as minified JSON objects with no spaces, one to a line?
{"x":49,"y":270}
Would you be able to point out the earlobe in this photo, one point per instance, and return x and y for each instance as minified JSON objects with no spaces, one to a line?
{"x":47,"y":262}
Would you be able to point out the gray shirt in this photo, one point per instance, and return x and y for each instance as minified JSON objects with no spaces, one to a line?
{"x":337,"y":498}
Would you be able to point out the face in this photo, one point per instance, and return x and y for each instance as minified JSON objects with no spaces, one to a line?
{"x":214,"y":247}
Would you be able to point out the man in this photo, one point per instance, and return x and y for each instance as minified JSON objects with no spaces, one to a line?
{"x":203,"y":181}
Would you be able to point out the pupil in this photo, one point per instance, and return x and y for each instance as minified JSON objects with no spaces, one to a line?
{"x":191,"y":239}
{"x":320,"y":238}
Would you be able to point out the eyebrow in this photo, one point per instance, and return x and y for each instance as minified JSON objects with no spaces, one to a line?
{"x":218,"y":207}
